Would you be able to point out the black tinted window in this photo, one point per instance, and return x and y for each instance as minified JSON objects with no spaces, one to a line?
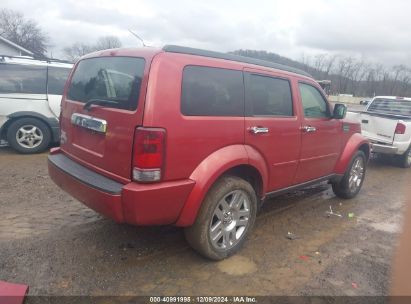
{"x":391,"y":106}
{"x":56,"y":79}
{"x":313,"y":102}
{"x":269,"y":96}
{"x":212,"y":92}
{"x":108,"y":78}
{"x":24,"y":79}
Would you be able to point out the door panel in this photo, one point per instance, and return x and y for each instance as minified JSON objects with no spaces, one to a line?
{"x":54,"y":104}
{"x":272,"y":126}
{"x":321,"y":140}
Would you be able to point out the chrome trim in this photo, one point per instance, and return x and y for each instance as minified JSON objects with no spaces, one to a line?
{"x":258,"y":130}
{"x":88,"y":122}
{"x":308,"y":129}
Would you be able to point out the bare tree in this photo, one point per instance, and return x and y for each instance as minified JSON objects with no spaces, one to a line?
{"x":305,"y":60}
{"x":107,"y":42}
{"x":320,"y":62}
{"x":398,"y":70}
{"x":329,"y":65}
{"x":405,"y":89}
{"x":24,"y":32}
{"x":78,"y":49}
{"x":348,"y":74}
{"x":357,"y":75}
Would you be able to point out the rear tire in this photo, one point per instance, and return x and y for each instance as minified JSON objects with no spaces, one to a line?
{"x":351,"y":183}
{"x":225,"y":219}
{"x":405,"y":159}
{"x":28,"y":135}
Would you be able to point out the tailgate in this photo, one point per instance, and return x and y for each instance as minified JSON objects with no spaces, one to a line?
{"x":378,"y":128}
{"x":101,"y":136}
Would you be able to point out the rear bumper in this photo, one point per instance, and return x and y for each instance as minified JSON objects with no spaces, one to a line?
{"x":133,"y":203}
{"x":384,"y":149}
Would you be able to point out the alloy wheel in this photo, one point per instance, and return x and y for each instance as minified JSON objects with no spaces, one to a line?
{"x":356,"y":174}
{"x":29,"y":136}
{"x":230,"y":220}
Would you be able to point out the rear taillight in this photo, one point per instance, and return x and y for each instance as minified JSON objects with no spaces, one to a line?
{"x":148,"y":154}
{"x":400,"y":128}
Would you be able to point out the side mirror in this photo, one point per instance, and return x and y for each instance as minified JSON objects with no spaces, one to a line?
{"x":340,"y":110}
{"x":364,"y":102}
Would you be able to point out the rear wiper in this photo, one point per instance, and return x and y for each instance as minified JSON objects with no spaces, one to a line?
{"x":88,"y":104}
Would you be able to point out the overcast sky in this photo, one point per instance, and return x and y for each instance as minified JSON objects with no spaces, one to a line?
{"x":379,"y":31}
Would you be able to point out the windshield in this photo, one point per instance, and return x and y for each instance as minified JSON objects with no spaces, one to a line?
{"x":109,"y":78}
{"x":391,"y":106}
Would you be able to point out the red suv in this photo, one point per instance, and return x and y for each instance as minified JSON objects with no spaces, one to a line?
{"x":198,"y":139}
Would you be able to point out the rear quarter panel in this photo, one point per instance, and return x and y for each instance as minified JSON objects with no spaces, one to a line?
{"x":190,"y":139}
{"x":403,"y":141}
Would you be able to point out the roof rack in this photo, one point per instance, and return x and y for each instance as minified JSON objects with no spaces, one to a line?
{"x":50,"y":60}
{"x":212,"y":54}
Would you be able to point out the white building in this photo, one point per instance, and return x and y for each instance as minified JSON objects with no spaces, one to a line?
{"x":11,"y":49}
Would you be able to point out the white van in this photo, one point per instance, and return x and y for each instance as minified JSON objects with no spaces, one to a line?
{"x":30,"y":95}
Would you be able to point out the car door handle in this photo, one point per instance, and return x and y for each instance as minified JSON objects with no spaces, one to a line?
{"x":308,"y":129}
{"x":258,"y":130}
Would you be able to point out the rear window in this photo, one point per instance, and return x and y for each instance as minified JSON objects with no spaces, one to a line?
{"x":212,"y":92}
{"x":108,"y":78}
{"x":391,"y":106}
{"x":56,"y":79}
{"x":270,"y":96}
{"x":23,"y":79}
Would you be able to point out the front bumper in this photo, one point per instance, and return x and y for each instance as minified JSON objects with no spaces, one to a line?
{"x":132,"y":203}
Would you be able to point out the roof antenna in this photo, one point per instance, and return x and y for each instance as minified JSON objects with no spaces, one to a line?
{"x":137,"y":36}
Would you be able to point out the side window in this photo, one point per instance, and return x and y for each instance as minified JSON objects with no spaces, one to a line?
{"x":314,"y":104}
{"x":212,"y":92}
{"x":269,"y":96}
{"x":24,"y":79}
{"x":56,"y":79}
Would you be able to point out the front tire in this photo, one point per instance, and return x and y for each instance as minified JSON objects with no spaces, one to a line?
{"x":28,"y":135}
{"x":351,"y":183}
{"x":225,"y":219}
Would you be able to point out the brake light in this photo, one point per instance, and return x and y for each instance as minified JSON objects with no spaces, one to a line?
{"x":400,"y":128}
{"x":148,"y":154}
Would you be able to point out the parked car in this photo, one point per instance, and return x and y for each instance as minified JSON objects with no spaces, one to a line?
{"x":198,"y":139}
{"x":364,"y":102}
{"x":30,"y":95}
{"x":386,"y":122}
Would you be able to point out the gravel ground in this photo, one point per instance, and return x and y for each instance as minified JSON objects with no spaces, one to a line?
{"x":56,"y":245}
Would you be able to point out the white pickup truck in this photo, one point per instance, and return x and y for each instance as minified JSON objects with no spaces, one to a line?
{"x":386,"y":122}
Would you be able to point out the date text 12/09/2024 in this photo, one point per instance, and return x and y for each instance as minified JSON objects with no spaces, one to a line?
{"x":235,"y":299}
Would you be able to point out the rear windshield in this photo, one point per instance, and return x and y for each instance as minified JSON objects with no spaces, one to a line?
{"x":391,"y":106}
{"x":108,"y":78}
